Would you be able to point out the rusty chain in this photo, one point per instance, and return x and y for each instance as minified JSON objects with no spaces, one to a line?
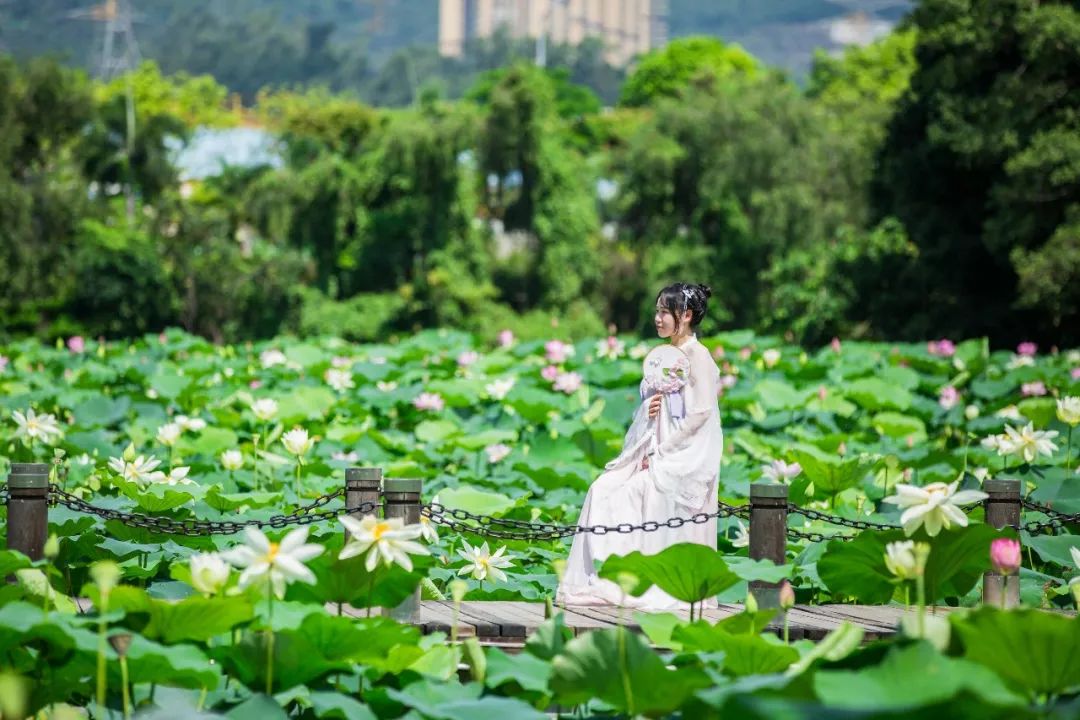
{"x":522,"y":530}
{"x":304,"y":515}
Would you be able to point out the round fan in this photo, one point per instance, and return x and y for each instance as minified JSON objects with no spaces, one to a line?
{"x":666,"y":370}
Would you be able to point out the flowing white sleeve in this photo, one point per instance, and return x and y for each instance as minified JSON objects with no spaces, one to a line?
{"x":700,"y":398}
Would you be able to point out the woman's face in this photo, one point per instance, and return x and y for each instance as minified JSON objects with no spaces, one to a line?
{"x":665,"y":321}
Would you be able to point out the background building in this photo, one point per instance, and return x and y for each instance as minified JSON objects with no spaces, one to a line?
{"x":627,"y":27}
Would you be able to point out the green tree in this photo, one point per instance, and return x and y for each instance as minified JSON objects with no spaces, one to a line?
{"x":981,"y":165}
{"x":668,"y":71}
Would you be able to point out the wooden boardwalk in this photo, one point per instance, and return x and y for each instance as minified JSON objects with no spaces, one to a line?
{"x":509,"y":623}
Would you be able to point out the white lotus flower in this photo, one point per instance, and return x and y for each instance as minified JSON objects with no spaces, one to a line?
{"x":427,"y":530}
{"x":482,"y":563}
{"x":936,"y":506}
{"x":140,"y":470}
{"x":900,"y":559}
{"x":779,"y":471}
{"x":1028,"y":442}
{"x":389,"y":540}
{"x":386,"y":386}
{"x":42,"y":428}
{"x":270,"y":358}
{"x":499,"y":389}
{"x":993,"y":442}
{"x":265,"y":409}
{"x":297,"y":442}
{"x":168,"y":434}
{"x":190,"y":424}
{"x":742,"y":535}
{"x":1075,"y":552}
{"x":177,"y":476}
{"x":1009,"y":412}
{"x":1068,"y":410}
{"x":770,"y":357}
{"x":339,"y":379}
{"x":496,"y":452}
{"x":275,"y":564}
{"x":209,"y":572}
{"x":232,"y":459}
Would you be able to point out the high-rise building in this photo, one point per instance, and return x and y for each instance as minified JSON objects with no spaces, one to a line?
{"x":627,"y":27}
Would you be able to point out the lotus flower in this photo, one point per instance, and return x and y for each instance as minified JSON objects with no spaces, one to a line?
{"x":209,"y":572}
{"x":949,"y":397}
{"x":780,"y":471}
{"x":499,"y":389}
{"x":270,"y":358}
{"x":339,"y":379}
{"x":496,"y":452}
{"x":936,"y":506}
{"x":900,"y":559}
{"x":33,"y":427}
{"x":138,"y":470}
{"x":1068,"y":410}
{"x":297,"y":442}
{"x":506,"y":338}
{"x":467,"y":358}
{"x":835,"y":345}
{"x":612,"y":348}
{"x":1028,"y":442}
{"x":1033,"y":389}
{"x":1027,"y":349}
{"x":190,"y":424}
{"x":275,"y":564}
{"x":76,"y":344}
{"x":556,"y":351}
{"x":482,"y":564}
{"x":1005,"y":555}
{"x":264,"y":409}
{"x":232,"y":460}
{"x":567,"y":383}
{"x":168,"y":434}
{"x":429,"y":401}
{"x":389,"y":540}
{"x":550,"y":372}
{"x":770,"y":357}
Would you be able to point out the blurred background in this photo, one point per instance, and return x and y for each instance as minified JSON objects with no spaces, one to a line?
{"x":856,"y":168}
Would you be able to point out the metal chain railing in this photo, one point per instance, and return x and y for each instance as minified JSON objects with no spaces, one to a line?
{"x":809,"y":514}
{"x":304,"y":515}
{"x":522,"y":530}
{"x":1055,"y":520}
{"x":794,"y":534}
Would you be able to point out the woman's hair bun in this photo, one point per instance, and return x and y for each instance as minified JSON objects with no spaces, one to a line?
{"x":705,"y":290}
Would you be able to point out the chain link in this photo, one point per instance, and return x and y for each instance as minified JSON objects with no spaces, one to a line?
{"x":452,"y":517}
{"x":794,"y":509}
{"x":304,"y":515}
{"x":1056,"y":521}
{"x":792,"y":533}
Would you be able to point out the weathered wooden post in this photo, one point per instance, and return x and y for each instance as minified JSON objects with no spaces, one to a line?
{"x":401,"y":499}
{"x":1002,"y":510}
{"x":768,"y":536}
{"x":362,"y":486}
{"x":28,"y":508}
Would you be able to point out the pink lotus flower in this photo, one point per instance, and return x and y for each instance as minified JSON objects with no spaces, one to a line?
{"x":506,"y":338}
{"x":255,"y":384}
{"x":787,"y":595}
{"x":467,"y":358}
{"x":1005,"y":555}
{"x":943,"y":348}
{"x":549,"y":373}
{"x":718,"y":352}
{"x":949,"y":397}
{"x":556,"y":351}
{"x":822,"y":393}
{"x":1033,"y":389}
{"x":745,"y":353}
{"x":567,"y":383}
{"x":728,"y":381}
{"x":3,"y":364}
{"x":429,"y":401}
{"x":163,"y":338}
{"x":1027,"y":349}
{"x":835,"y":345}
{"x":1075,"y":374}
{"x":496,"y":452}
{"x":76,"y":344}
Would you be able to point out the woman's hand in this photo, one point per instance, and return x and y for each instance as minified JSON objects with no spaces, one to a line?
{"x":654,"y":405}
{"x":645,"y":463}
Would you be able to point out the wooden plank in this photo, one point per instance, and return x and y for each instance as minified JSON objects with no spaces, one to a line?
{"x":851,"y":614}
{"x":434,"y":617}
{"x":485,"y":625}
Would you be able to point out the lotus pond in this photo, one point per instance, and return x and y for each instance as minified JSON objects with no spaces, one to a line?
{"x":238,"y":625}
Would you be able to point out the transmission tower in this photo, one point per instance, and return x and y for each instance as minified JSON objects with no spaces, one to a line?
{"x":119,"y":48}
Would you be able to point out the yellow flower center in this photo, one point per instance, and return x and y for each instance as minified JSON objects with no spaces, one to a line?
{"x":272,"y":552}
{"x":378,"y":530}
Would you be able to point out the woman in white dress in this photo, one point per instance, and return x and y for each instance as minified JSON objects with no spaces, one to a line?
{"x":673,"y":475}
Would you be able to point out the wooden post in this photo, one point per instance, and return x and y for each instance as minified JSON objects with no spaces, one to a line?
{"x":362,"y":485}
{"x":401,"y":499}
{"x":768,"y":536}
{"x":28,"y":509}
{"x":1002,"y":510}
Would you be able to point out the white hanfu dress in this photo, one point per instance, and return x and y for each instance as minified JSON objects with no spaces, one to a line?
{"x":681,"y":480}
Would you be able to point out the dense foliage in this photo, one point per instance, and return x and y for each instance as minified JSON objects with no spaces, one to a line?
{"x":178,"y":428}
